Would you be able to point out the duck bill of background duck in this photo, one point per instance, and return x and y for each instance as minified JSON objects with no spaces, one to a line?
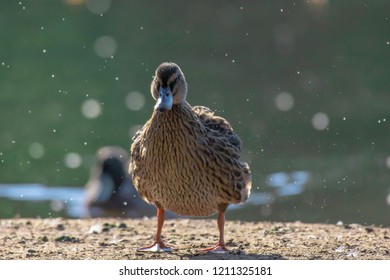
{"x":165,"y":100}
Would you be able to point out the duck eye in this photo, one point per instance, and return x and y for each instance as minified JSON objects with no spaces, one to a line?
{"x":172,"y":85}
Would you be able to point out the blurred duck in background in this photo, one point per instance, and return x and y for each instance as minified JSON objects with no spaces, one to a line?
{"x":109,"y":191}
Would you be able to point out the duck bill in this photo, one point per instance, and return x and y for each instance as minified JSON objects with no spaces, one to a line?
{"x":165,"y":100}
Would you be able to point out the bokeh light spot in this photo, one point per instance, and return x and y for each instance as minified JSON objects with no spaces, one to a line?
{"x":36,"y":150}
{"x":284,"y":101}
{"x":317,"y":2}
{"x":91,"y":108}
{"x":320,"y":121}
{"x":98,"y":6}
{"x":72,"y":160}
{"x":105,"y":46}
{"x":74,"y":2}
{"x":388,"y":162}
{"x":135,"y":101}
{"x":388,"y":199}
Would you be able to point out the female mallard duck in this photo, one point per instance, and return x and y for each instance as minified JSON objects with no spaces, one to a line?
{"x":185,"y":159}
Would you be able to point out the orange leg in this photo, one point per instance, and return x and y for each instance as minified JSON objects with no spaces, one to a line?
{"x":158,"y":245}
{"x":220,"y":247}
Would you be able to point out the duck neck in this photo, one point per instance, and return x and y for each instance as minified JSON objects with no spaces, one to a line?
{"x":174,"y":112}
{"x":173,"y":120}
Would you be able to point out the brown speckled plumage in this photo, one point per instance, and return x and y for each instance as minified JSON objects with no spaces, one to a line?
{"x":186,"y":159}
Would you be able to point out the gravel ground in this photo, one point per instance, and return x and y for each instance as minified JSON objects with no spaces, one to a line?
{"x":117,"y":239}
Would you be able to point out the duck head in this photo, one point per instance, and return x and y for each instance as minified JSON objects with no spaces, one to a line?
{"x":169,"y":86}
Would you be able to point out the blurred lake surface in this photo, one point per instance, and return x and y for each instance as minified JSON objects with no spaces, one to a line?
{"x":304,"y":83}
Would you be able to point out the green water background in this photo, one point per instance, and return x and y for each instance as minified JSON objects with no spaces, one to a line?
{"x":330,"y":57}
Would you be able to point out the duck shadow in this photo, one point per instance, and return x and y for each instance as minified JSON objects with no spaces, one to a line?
{"x":235,"y":252}
{"x":233,"y":255}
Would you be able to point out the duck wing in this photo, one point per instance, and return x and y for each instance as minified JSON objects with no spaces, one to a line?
{"x":220,"y":128}
{"x":135,"y":150}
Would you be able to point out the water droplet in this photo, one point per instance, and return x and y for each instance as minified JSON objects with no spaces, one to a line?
{"x":44,"y":50}
{"x":116,"y":78}
{"x":52,"y":75}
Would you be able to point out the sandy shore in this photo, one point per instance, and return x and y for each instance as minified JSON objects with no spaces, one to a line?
{"x":118,"y":239}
